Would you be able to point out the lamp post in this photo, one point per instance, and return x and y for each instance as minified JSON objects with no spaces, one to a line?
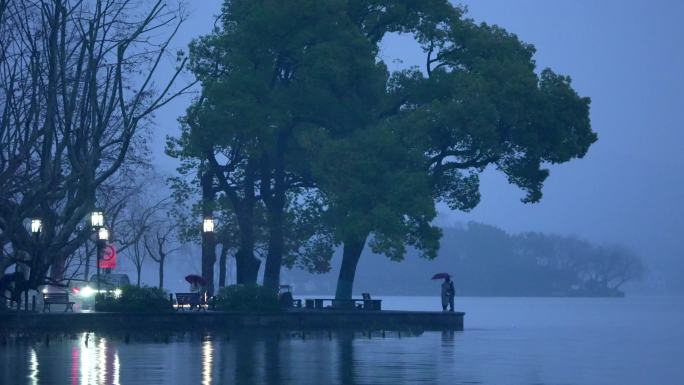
{"x":102,"y":238}
{"x":96,"y":219}
{"x":36,"y":229}
{"x":208,"y":252}
{"x":36,"y":226}
{"x":208,"y":225}
{"x":101,"y":235}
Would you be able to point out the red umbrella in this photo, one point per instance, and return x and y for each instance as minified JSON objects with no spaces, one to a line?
{"x":195,"y":279}
{"x":441,"y":276}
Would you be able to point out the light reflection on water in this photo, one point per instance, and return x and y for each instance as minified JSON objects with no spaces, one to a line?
{"x":207,"y":362}
{"x":33,"y":367}
{"x":94,"y":360}
{"x":507,"y":341}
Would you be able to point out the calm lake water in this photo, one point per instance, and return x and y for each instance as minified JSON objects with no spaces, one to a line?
{"x":536,"y":341}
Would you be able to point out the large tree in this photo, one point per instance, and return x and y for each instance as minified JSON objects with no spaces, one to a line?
{"x":478,"y":102}
{"x":274,"y":75}
{"x":76,"y":89}
{"x":297,"y":101}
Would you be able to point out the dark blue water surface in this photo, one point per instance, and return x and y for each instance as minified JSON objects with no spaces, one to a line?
{"x":627,"y":341}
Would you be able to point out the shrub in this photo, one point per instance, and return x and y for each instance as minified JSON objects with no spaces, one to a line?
{"x":135,"y":299}
{"x":252,"y":298}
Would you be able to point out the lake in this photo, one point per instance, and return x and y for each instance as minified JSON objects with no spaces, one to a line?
{"x":534,"y":341}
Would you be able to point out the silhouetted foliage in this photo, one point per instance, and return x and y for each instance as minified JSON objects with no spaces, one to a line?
{"x":135,"y":299}
{"x":252,"y":298}
{"x":297,"y":102}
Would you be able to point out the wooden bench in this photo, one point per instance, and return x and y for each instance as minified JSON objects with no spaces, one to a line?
{"x":371,"y":304}
{"x":57,"y":299}
{"x":364,"y":303}
{"x":191,"y":299}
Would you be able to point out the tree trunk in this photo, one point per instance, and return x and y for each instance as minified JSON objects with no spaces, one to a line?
{"x":276,"y":206}
{"x":161,"y":273}
{"x":222,"y":265}
{"x":87,"y":262}
{"x":138,"y":270}
{"x":58,"y":268}
{"x":208,"y":260}
{"x":274,"y":258}
{"x":247,"y":265}
{"x":350,"y":258}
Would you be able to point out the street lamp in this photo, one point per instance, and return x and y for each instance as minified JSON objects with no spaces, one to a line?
{"x":102,"y":234}
{"x":208,"y":225}
{"x":102,"y":238}
{"x":97,"y":219}
{"x":36,"y":226}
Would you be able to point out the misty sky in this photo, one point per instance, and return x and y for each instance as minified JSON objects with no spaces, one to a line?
{"x":628,"y":56}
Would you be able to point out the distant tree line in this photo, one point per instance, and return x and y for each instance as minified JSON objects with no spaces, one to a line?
{"x":486,"y":261}
{"x":491,"y":262}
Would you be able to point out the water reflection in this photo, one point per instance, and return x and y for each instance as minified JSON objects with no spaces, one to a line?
{"x":85,"y":357}
{"x":33,"y":367}
{"x":117,"y":368}
{"x":245,"y":361}
{"x":270,"y":358}
{"x":207,"y":360}
{"x":272,"y":349}
{"x":516,"y":341}
{"x":345,"y":357}
{"x":97,"y":364}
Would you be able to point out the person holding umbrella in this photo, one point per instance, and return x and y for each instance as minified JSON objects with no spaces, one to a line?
{"x":196,"y":282}
{"x":448,"y":291}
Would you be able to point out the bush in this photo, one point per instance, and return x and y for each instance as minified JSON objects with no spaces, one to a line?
{"x":135,"y":299}
{"x":251,"y":298}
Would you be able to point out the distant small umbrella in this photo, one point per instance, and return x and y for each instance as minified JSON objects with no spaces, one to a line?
{"x":441,"y":276}
{"x":195,"y":279}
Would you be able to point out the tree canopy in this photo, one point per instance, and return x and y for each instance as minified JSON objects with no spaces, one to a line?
{"x":297,"y":105}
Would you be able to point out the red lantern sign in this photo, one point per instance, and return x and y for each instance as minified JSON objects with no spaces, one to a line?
{"x":108,"y":260}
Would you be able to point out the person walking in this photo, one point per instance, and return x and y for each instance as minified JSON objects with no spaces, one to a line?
{"x":448,"y":293}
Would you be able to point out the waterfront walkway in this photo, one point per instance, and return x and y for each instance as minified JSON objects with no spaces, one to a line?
{"x":295,"y":319}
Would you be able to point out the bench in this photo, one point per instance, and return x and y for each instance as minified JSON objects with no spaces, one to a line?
{"x":364,"y":303}
{"x":371,"y":304}
{"x":191,"y":299}
{"x":57,"y":299}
